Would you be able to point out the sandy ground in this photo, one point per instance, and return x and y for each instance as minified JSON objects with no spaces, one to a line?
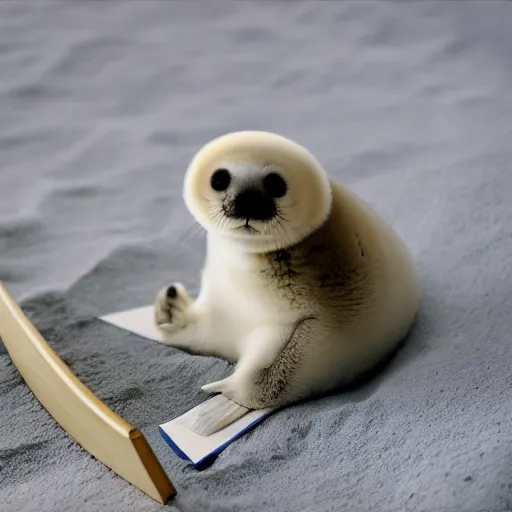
{"x":102,"y":105}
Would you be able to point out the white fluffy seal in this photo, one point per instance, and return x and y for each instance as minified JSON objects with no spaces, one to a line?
{"x":304,"y":286}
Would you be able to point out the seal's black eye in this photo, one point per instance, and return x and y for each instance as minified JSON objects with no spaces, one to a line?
{"x":275,"y":185}
{"x":220,"y":180}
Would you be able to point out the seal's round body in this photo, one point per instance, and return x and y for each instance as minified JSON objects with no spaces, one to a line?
{"x":305,"y":287}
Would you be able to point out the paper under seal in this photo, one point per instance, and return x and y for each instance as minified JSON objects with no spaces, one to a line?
{"x":204,"y":431}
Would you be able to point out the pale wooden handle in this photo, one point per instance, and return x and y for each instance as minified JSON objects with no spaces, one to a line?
{"x":97,"y":428}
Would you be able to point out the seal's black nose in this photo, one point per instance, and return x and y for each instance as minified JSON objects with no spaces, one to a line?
{"x":254,"y":204}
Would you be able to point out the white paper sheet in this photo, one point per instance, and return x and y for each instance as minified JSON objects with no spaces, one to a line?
{"x":139,"y":321}
{"x":200,"y":449}
{"x":186,"y":433}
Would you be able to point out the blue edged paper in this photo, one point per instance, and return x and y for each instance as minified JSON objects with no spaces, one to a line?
{"x":186,"y":443}
{"x":202,"y":450}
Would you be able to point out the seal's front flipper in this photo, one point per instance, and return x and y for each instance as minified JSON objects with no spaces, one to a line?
{"x":216,"y":387}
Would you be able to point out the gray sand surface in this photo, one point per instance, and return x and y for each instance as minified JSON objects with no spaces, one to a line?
{"x":102,"y":105}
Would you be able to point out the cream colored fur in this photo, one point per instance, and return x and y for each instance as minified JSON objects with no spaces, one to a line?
{"x":304,"y":303}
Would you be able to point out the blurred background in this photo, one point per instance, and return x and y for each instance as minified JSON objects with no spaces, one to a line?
{"x":102,"y":106}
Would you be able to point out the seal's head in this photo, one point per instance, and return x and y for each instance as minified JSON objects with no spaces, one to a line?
{"x":257,"y":188}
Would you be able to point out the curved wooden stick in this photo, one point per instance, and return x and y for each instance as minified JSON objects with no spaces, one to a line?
{"x":97,"y":428}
